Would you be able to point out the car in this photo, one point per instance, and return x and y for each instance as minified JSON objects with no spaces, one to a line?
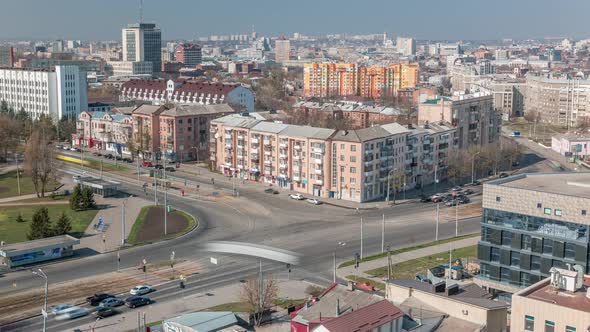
{"x":111,"y":302}
{"x":158,"y":166}
{"x":60,"y":308}
{"x":95,"y":153}
{"x":464,"y":200}
{"x":137,"y":301}
{"x":271,"y":191}
{"x":59,"y":146}
{"x":313,"y":201}
{"x":73,"y":149}
{"x":467,"y":192}
{"x":65,"y":147}
{"x":71,"y":313}
{"x":452,"y":202}
{"x":456,"y":188}
{"x":170,"y":169}
{"x":128,"y":160}
{"x":448,"y":198}
{"x":436,"y":198}
{"x":140,"y":290}
{"x":147,"y":164}
{"x":298,"y":197}
{"x":109,"y":156}
{"x":425,"y":199}
{"x":103,"y":312}
{"x":476,"y":183}
{"x":95,"y":299}
{"x":515,"y":163}
{"x":503,"y":175}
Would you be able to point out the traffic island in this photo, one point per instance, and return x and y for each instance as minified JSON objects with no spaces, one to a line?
{"x":149,"y":225}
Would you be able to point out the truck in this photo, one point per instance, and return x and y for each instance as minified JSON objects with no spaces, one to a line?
{"x":515,"y":134}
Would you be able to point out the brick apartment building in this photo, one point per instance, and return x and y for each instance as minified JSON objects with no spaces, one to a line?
{"x":353,"y":165}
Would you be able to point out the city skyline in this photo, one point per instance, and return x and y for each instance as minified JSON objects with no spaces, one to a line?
{"x":426,"y":20}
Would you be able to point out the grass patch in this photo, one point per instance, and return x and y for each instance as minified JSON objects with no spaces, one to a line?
{"x":402,"y":250}
{"x":12,"y":231}
{"x":409,"y":269}
{"x":9,"y":185}
{"x":60,"y":198}
{"x":286,"y":303}
{"x":232,"y":306}
{"x":141,"y":218}
{"x":376,"y":284}
{"x":138,"y":224}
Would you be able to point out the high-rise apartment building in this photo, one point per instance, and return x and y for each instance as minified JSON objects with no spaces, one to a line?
{"x":349,"y":79}
{"x":282,"y":50}
{"x":189,"y":54}
{"x":143,"y":42}
{"x":6,"y":56}
{"x":406,"y":46}
{"x":57,"y":92}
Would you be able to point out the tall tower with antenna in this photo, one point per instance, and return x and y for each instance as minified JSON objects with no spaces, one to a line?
{"x":140,"y":11}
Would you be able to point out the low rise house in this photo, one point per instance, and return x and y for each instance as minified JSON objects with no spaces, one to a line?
{"x":110,"y":131}
{"x":571,"y":145}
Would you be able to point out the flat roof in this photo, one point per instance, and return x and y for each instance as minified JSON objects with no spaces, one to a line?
{"x":16,"y":248}
{"x":567,"y":184}
{"x":543,"y":291}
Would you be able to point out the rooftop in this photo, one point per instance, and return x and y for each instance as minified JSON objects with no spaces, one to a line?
{"x":198,"y":109}
{"x":40,"y":243}
{"x":544,"y":292}
{"x":568,"y":184}
{"x":205,"y":321}
{"x":365,"y":319}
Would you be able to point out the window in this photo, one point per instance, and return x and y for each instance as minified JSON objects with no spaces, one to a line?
{"x":352,"y":170}
{"x":549,"y":326}
{"x":498,"y":198}
{"x":495,"y":255}
{"x":583,"y":212}
{"x":341,"y":157}
{"x":352,"y":180}
{"x":547,"y":246}
{"x":525,"y":242}
{"x":506,"y":238}
{"x":535,"y":263}
{"x":570,"y":329}
{"x":515,"y":258}
{"x":504,"y":274}
{"x":342,"y":147}
{"x":352,"y":159}
{"x":353,"y":148}
{"x":570,"y":250}
{"x":539,"y":205}
{"x":548,"y":211}
{"x":529,"y":323}
{"x":557,"y":212}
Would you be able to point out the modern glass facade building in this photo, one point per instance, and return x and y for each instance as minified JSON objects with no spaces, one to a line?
{"x":532,"y":222}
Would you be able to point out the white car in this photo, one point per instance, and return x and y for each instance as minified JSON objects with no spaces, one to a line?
{"x":60,"y":308}
{"x":313,"y":201}
{"x":71,"y":313}
{"x":296,"y":196}
{"x":140,"y":290}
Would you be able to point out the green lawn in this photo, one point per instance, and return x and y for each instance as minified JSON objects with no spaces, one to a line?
{"x":9,"y":185}
{"x":138,"y":224}
{"x":402,"y":250}
{"x":11,"y":231}
{"x":409,"y":269}
{"x":286,"y":303}
{"x":376,"y":284}
{"x":232,"y":306}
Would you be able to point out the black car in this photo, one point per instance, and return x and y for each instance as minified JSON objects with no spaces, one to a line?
{"x":170,"y":169}
{"x":102,"y":312}
{"x":95,"y":299}
{"x":503,"y":175}
{"x":109,"y":156}
{"x":137,"y":301}
{"x":158,"y":166}
{"x":424,"y":199}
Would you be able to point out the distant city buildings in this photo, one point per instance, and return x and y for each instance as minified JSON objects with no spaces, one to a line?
{"x":130,"y":69}
{"x":7,"y":58}
{"x":188,"y":54}
{"x":58,"y":92}
{"x":282,"y":50}
{"x":143,"y":42}
{"x":406,"y":46}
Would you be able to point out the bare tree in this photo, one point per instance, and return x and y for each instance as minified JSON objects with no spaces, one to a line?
{"x":39,"y":161}
{"x":459,"y":164}
{"x":9,"y":134}
{"x":270,"y":93}
{"x":259,"y":296}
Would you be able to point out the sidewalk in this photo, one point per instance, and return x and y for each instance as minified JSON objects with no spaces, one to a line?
{"x":409,"y":255}
{"x":186,"y":304}
{"x":110,"y":239}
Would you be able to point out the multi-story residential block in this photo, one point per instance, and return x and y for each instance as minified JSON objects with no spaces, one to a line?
{"x":406,"y":46}
{"x":179,"y":133}
{"x":110,"y":131}
{"x":189,"y":54}
{"x":130,"y":68}
{"x":531,"y":223}
{"x":557,"y":101}
{"x":188,"y":92}
{"x":57,"y":92}
{"x":509,"y":97}
{"x":7,"y":56}
{"x":143,"y":42}
{"x":282,"y":50}
{"x":352,"y":165}
{"x":474,"y":116}
{"x":558,"y":303}
{"x":348,"y":79}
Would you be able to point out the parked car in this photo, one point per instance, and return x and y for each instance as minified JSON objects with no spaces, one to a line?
{"x":298,"y":197}
{"x":452,"y":202}
{"x":60,"y":308}
{"x":65,"y":147}
{"x":109,"y":156}
{"x":158,"y":166}
{"x":95,"y":153}
{"x":464,"y":200}
{"x":271,"y":191}
{"x":503,"y":175}
{"x":71,"y":313}
{"x":424,"y":199}
{"x":140,"y":290}
{"x":74,"y":149}
{"x":515,"y":163}
{"x":448,"y":198}
{"x":436,"y":198}
{"x":147,"y":164}
{"x":456,"y":188}
{"x":137,"y":301}
{"x":467,"y":192}
{"x":313,"y":201}
{"x":170,"y":169}
{"x":102,"y":312}
{"x":95,"y":299}
{"x":111,"y":302}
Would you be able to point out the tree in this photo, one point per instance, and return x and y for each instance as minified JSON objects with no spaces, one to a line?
{"x":270,"y":92}
{"x":40,"y":225}
{"x":67,"y":127}
{"x":76,"y":199}
{"x":459,"y":165}
{"x":259,"y":296}
{"x":39,"y":161}
{"x":63,"y":225}
{"x":87,"y":200}
{"x":9,"y":134}
{"x":20,"y":219}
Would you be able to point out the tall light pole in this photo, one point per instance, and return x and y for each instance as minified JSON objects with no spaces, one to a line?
{"x":361,"y":237}
{"x":165,"y":200}
{"x":437,"y":219}
{"x":473,"y":167}
{"x":42,"y":274}
{"x":383,"y":234}
{"x":456,"y":218}
{"x":123,"y":221}
{"x":17,"y":172}
{"x":340,"y":244}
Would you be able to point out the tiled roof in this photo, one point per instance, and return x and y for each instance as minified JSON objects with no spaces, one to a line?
{"x":368,"y":318}
{"x":308,"y":132}
{"x":186,"y":86}
{"x":198,"y":109}
{"x":147,"y":109}
{"x":371,"y":133}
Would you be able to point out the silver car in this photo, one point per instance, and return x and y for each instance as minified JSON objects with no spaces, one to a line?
{"x":111,"y":302}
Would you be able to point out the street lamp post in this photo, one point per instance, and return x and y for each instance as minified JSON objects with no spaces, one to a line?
{"x":361,"y":237}
{"x":388,"y":183}
{"x":123,"y":221}
{"x":340,"y":244}
{"x":17,"y":172}
{"x":473,"y":167}
{"x":42,"y":274}
{"x":165,"y":200}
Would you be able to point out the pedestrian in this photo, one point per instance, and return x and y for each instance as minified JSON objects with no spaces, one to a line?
{"x":212,"y":181}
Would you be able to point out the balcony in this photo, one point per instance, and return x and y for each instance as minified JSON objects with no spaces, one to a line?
{"x":296,"y":167}
{"x":240,"y":147}
{"x":407,"y":161}
{"x":296,"y":157}
{"x":227,"y":135}
{"x":254,"y":140}
{"x":267,"y":153}
{"x":240,"y":166}
{"x":240,"y":156}
{"x":319,"y":161}
{"x":253,"y":150}
{"x":212,"y":157}
{"x":266,"y":142}
{"x":282,"y":166}
{"x":320,"y":182}
{"x":228,"y":145}
{"x":318,"y":171}
{"x":254,"y":158}
{"x":267,"y":162}
{"x":241,"y":137}
{"x":297,"y":147}
{"x":318,"y":150}
{"x":283,"y":145}
{"x":296,"y":178}
{"x":228,"y":164}
{"x":370,"y":173}
{"x":283,"y":156}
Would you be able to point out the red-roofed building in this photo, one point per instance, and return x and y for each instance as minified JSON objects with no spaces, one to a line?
{"x":380,"y":316}
{"x":188,"y":92}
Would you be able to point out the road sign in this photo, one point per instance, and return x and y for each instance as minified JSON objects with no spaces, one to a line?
{"x":169,"y":208}
{"x":44,"y":313}
{"x":213,"y":260}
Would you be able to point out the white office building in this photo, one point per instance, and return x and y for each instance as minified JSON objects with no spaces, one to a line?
{"x":406,"y":46}
{"x":130,"y":68}
{"x":57,"y":92}
{"x":143,"y":42}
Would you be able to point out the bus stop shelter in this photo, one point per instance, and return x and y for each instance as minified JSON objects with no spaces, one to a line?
{"x":100,"y":187}
{"x":29,"y":252}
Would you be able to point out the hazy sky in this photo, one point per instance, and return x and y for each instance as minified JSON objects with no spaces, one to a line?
{"x":423,"y":19}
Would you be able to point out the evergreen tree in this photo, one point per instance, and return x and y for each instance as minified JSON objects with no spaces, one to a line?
{"x":76,"y":199}
{"x":88,"y":199}
{"x":63,"y":225}
{"x":41,"y":225}
{"x":20,"y":218}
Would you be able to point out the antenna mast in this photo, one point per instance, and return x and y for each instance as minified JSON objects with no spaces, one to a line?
{"x":140,"y":11}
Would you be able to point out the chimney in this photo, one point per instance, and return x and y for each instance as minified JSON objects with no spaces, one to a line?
{"x":337,"y":307}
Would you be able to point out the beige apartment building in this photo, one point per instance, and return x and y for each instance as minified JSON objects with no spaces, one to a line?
{"x":352,"y":165}
{"x":110,"y":131}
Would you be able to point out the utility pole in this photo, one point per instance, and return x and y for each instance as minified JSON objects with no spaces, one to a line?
{"x":165,"y":200}
{"x":123,"y":222}
{"x":17,"y":172}
{"x":361,"y":237}
{"x":118,"y":261}
{"x":101,"y":169}
{"x":437,"y":219}
{"x":156,"y":187}
{"x":334,"y":279}
{"x":457,"y":219}
{"x":383,"y":234}
{"x":138,"y":170}
{"x":42,"y":274}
